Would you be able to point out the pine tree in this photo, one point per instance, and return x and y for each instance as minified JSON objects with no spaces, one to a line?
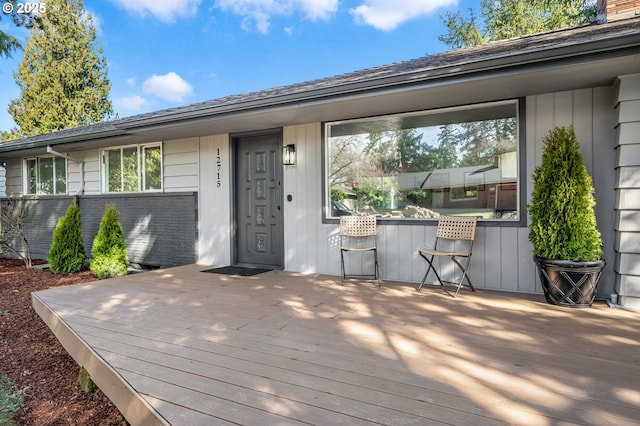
{"x":62,"y":78}
{"x":67,"y":249}
{"x":503,"y":19}
{"x":109,"y":250}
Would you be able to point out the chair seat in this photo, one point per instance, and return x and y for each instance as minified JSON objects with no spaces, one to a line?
{"x":444,"y":253}
{"x":357,"y":248}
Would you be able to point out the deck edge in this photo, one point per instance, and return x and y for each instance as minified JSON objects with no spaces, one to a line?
{"x":132,"y":405}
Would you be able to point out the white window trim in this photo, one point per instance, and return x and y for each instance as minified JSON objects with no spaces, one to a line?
{"x":140,"y":149}
{"x":25,"y":181}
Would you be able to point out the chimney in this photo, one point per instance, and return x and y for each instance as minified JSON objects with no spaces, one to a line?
{"x":615,"y":10}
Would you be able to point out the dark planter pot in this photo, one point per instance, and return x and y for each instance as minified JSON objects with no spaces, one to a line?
{"x":568,"y":283}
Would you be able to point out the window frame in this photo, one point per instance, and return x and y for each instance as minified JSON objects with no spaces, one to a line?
{"x":38,"y":182}
{"x":140,"y":164}
{"x":521,"y":221}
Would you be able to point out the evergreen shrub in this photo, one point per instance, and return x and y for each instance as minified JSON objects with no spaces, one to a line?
{"x":66,"y":253}
{"x":109,"y":251}
{"x":563,"y":221}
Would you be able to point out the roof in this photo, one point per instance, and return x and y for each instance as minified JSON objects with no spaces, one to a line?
{"x":580,"y":43}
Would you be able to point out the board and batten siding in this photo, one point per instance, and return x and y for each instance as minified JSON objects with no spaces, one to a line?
{"x":214,"y":201}
{"x":502,"y":256}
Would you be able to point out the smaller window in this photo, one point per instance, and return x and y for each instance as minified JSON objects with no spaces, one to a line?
{"x":133,"y":168}
{"x":46,"y":176}
{"x":464,"y":193}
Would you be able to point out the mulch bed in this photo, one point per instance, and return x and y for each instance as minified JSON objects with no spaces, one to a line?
{"x":32,"y":357}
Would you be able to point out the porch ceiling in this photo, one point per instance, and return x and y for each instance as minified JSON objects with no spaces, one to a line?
{"x":179,"y":346}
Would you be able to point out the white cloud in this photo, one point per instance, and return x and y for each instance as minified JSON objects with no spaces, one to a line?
{"x":131,"y":81}
{"x":170,"y":87}
{"x":164,"y":10}
{"x":258,"y":13}
{"x":386,"y":15}
{"x":133,"y":104}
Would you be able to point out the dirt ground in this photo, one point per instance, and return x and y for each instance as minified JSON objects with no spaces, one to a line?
{"x":32,"y":357}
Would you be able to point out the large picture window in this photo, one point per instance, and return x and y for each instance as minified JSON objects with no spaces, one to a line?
{"x":132,"y":168}
{"x":46,"y":176}
{"x":457,"y":161}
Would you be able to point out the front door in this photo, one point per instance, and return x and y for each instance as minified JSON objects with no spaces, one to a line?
{"x":259,"y":237}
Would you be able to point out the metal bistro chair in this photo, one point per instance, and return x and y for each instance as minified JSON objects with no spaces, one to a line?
{"x":452,"y":230}
{"x":359,"y":234}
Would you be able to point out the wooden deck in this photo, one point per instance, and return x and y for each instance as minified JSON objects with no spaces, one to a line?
{"x":183,"y":347}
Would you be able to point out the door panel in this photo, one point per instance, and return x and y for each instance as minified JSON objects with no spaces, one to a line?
{"x":259,"y":239}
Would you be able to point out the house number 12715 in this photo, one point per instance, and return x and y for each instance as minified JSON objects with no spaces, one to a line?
{"x":218,"y":168}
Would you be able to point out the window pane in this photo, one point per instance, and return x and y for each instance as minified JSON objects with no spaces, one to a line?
{"x":130,"y":169}
{"x":152,"y":172}
{"x":45,"y":174}
{"x":114,"y":170}
{"x":61,"y":175}
{"x":461,"y":161}
{"x":32,"y":183}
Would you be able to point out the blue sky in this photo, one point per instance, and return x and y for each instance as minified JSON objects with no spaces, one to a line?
{"x":165,"y":53}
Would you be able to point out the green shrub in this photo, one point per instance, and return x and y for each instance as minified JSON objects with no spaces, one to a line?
{"x":66,"y":253}
{"x":10,"y":401}
{"x":109,"y":251}
{"x":563,"y":222}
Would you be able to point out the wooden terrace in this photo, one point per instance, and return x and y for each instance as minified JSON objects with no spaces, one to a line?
{"x":183,"y":347}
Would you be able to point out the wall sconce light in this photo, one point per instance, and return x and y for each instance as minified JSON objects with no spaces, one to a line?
{"x":289,"y":155}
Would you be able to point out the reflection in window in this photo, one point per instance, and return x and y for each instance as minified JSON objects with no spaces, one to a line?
{"x":461,"y":161}
{"x":132,"y":168}
{"x":46,"y":175}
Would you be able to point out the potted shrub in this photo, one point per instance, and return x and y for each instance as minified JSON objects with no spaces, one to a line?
{"x":567,"y":246}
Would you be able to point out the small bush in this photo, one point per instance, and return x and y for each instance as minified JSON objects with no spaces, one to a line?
{"x":67,"y":249}
{"x":10,"y":401}
{"x":109,"y":250}
{"x":563,"y":221}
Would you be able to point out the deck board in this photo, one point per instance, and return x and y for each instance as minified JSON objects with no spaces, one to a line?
{"x":285,"y":348}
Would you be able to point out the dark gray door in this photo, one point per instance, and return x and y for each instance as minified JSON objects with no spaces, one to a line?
{"x":258,"y":202}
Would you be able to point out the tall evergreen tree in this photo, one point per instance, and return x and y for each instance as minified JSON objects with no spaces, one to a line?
{"x":502,"y":19}
{"x":62,"y":78}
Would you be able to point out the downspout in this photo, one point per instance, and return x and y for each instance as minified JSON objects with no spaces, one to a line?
{"x":50,"y":150}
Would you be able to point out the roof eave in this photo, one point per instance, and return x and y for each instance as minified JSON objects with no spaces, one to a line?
{"x":556,"y":56}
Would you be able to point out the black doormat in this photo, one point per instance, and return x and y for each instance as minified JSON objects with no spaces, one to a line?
{"x":237,"y":270}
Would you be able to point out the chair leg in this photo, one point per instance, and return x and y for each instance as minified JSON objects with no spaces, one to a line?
{"x":377,"y":271}
{"x":424,"y":279}
{"x":464,"y":275}
{"x":342,"y":267}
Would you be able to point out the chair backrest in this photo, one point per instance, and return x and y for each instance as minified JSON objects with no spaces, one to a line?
{"x":457,"y":227}
{"x":358,"y":226}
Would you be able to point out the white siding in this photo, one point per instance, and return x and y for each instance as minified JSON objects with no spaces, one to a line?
{"x":181,"y":165}
{"x":214,"y":202}
{"x":87,"y":161}
{"x":502,"y":256}
{"x":627,"y":182}
{"x":14,"y":177}
{"x":3,"y":182}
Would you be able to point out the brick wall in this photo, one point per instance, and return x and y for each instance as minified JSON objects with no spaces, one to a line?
{"x":160,"y":229}
{"x":621,"y":9}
